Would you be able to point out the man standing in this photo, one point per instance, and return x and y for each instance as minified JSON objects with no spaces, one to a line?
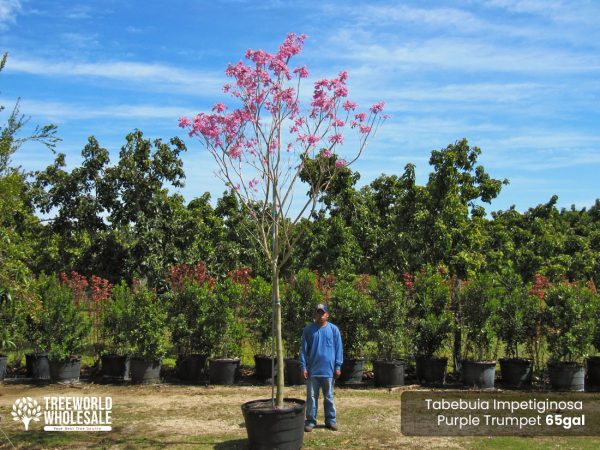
{"x":321,"y":357}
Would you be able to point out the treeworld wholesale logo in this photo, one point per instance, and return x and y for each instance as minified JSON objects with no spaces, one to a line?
{"x":66,"y":413}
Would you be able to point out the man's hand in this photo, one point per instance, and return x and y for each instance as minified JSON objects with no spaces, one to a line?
{"x":306,"y":374}
{"x":338,"y":372}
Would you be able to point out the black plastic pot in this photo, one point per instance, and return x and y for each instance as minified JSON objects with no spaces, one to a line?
{"x":38,"y":366}
{"x":145,"y":371}
{"x":566,"y":376}
{"x":593,"y":370}
{"x":389,"y":373}
{"x":431,"y":370}
{"x":268,"y":428}
{"x":262,"y":366}
{"x":192,"y":368}
{"x":352,"y":370}
{"x":65,"y":371}
{"x":479,"y":373}
{"x":224,"y":371}
{"x":516,"y":372}
{"x":115,"y":367}
{"x":3,"y":364}
{"x":294,"y":375}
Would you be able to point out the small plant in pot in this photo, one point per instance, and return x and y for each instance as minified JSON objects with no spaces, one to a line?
{"x":260,"y":324}
{"x":389,"y":330}
{"x":63,"y":329}
{"x":226,"y":332}
{"x":116,"y":328}
{"x":190,"y":300}
{"x":514,"y":323}
{"x":147,"y":339}
{"x":569,"y":316}
{"x":351,"y":309}
{"x":431,"y":322}
{"x":478,"y":303}
{"x":302,"y":295}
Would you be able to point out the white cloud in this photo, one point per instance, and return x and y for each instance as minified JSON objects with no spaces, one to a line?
{"x":158,"y":76}
{"x":8,"y":12}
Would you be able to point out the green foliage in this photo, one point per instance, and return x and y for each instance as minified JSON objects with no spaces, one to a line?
{"x":389,"y":329}
{"x":58,"y":326}
{"x":517,"y":317}
{"x":191,"y":324}
{"x":11,"y":321}
{"x":352,"y":309}
{"x":430,"y":315}
{"x":478,"y":303}
{"x":223,"y":322}
{"x":570,"y":318}
{"x":301,"y":298}
{"x":117,"y":321}
{"x":260,"y":314}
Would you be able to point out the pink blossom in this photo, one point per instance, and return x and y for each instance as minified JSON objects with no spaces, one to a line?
{"x":253,"y":183}
{"x":302,"y":71}
{"x":326,"y":154}
{"x":338,"y":123}
{"x":377,"y":107}
{"x":341,"y":163}
{"x":364,"y":129}
{"x":219,"y":107}
{"x":226,"y":87}
{"x":313,"y":139}
{"x":348,"y":105}
{"x":361,"y":116}
{"x":336,"y":139}
{"x":184,"y":122}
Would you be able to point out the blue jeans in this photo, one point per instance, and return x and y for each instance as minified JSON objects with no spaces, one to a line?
{"x":312,"y":400}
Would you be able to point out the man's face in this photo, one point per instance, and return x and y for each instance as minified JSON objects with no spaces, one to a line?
{"x":321,"y":316}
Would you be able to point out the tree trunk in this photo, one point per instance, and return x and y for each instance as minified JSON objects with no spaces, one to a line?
{"x":278,"y":339}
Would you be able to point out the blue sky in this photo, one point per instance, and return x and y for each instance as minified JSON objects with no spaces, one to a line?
{"x":518,"y":78}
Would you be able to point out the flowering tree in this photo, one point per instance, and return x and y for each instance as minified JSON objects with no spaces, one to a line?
{"x":271,"y":142}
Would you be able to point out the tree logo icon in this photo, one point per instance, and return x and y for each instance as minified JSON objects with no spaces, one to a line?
{"x":26,"y":409}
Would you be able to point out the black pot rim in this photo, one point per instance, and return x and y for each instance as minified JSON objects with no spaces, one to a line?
{"x":3,"y":356}
{"x":37,"y":354}
{"x":479,"y":363}
{"x":565,"y":364}
{"x":360,"y":358}
{"x":594,"y":358}
{"x":431,"y":358}
{"x":141,"y":358}
{"x":298,"y":407}
{"x":517,"y":360}
{"x":193,"y":355}
{"x":389,"y":361}
{"x":224,"y":359}
{"x":69,"y":359}
{"x":266,"y":357}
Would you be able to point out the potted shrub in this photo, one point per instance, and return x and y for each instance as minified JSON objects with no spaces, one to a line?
{"x":569,"y":317}
{"x":431,"y":323}
{"x":116,"y":327}
{"x":514,"y":322}
{"x":61,"y":327}
{"x":260,"y":324}
{"x":389,"y":330}
{"x":593,"y":362}
{"x":478,"y":303}
{"x":224,"y":325}
{"x":301,"y":295}
{"x":10,"y":327}
{"x":190,"y":300}
{"x":351,"y":308}
{"x":148,"y":339}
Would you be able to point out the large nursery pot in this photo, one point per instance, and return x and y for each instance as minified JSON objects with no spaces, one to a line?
{"x":145,"y":370}
{"x":271,"y":428}
{"x":480,"y":374}
{"x":262,"y":366}
{"x":566,"y":376}
{"x":3,"y":364}
{"x":431,"y":370}
{"x":293,"y":373}
{"x":516,"y":372}
{"x":115,"y":367}
{"x":37,"y":366}
{"x":389,"y":373}
{"x":224,"y":370}
{"x":66,"y":370}
{"x":352,"y":370}
{"x":192,"y":368}
{"x":593,"y":370}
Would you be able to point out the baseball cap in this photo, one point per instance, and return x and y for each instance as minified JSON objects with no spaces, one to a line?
{"x":322,"y":307}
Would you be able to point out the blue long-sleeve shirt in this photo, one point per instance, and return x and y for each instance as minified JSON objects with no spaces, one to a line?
{"x":321,"y":351}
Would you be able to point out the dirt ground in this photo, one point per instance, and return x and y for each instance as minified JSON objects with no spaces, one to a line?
{"x":179,"y":416}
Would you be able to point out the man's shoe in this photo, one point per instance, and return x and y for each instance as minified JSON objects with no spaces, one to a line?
{"x":332,"y":426}
{"x":308,"y":428}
